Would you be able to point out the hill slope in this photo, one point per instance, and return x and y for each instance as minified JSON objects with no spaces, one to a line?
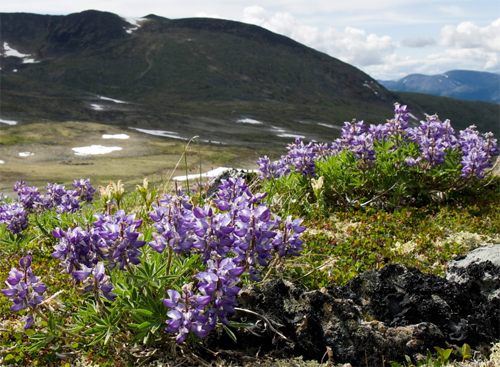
{"x":226,"y":81}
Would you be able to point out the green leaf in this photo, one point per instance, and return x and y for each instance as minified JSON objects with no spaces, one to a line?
{"x":144,"y":312}
{"x":52,"y":323}
{"x":98,"y":338}
{"x":230,"y":333}
{"x":465,"y":351}
{"x":144,"y":325}
{"x":8,"y":357}
{"x":41,"y":343}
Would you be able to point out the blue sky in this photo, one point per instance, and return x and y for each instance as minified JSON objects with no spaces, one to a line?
{"x":387,"y":39}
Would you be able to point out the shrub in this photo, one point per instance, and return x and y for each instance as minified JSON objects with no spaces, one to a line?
{"x":388,"y":165}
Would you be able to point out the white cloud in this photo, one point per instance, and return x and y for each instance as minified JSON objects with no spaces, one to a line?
{"x":396,"y":66}
{"x":202,"y":14}
{"x":462,"y":46}
{"x":471,"y":58}
{"x":418,"y":42}
{"x":469,"y":35}
{"x":452,"y":10}
{"x":351,"y":45}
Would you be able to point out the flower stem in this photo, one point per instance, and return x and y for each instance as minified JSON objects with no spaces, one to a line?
{"x":58,"y":327}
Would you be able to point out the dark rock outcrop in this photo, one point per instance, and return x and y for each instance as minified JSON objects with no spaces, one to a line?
{"x":378,"y":316}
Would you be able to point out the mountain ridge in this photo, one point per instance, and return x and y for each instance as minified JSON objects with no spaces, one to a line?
{"x":461,"y":84}
{"x":194,"y":76}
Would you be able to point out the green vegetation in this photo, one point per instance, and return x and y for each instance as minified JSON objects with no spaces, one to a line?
{"x":141,"y":260}
{"x":197,"y":77}
{"x":336,"y":248}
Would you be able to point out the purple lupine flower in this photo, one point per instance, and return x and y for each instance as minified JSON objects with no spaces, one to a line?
{"x":379,"y":132}
{"x":64,"y":201}
{"x":76,"y":248}
{"x":362,"y":147}
{"x":432,"y":150}
{"x":356,"y":139}
{"x":84,"y":189}
{"x":173,"y":219}
{"x":491,"y":145}
{"x":69,"y":203}
{"x":435,"y":139}
{"x":336,"y":147}
{"x":187,"y":313}
{"x":220,"y":282}
{"x":266,"y":168}
{"x":397,"y":126}
{"x":29,"y":196}
{"x":53,"y":196}
{"x":14,"y":216}
{"x":238,"y":224}
{"x":254,"y":228}
{"x":350,"y":130}
{"x":474,"y":162}
{"x":477,"y":151}
{"x":95,"y":279}
{"x":118,"y":233}
{"x":25,"y":290}
{"x":235,"y":195}
{"x":288,"y":242}
{"x":410,"y":161}
{"x":301,"y":157}
{"x":322,"y":150}
{"x":213,"y":233}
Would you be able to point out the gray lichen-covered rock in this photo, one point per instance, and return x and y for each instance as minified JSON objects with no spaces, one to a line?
{"x":478,"y":271}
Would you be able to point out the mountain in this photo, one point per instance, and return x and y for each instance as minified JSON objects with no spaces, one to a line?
{"x":226,"y":81}
{"x":461,"y":84}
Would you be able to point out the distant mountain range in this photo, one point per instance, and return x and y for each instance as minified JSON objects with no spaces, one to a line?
{"x":225,"y":81}
{"x":461,"y":84}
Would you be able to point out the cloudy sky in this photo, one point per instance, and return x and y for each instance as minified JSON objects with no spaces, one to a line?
{"x":387,"y":39}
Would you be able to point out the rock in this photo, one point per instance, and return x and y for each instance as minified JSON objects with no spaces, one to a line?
{"x":400,"y":296}
{"x":313,"y":323}
{"x":478,"y":271}
{"x":377,"y":317}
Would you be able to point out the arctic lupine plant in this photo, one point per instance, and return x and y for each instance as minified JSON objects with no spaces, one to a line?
{"x":15,"y":214}
{"x":239,"y":233}
{"x":187,"y":313}
{"x":95,"y":279}
{"x":113,"y":239}
{"x":301,"y":157}
{"x":231,"y":235}
{"x":477,"y":152}
{"x":85,"y":189}
{"x":117,"y":239}
{"x":29,"y":196}
{"x":25,"y":290}
{"x":64,"y":201}
{"x":391,"y":161}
